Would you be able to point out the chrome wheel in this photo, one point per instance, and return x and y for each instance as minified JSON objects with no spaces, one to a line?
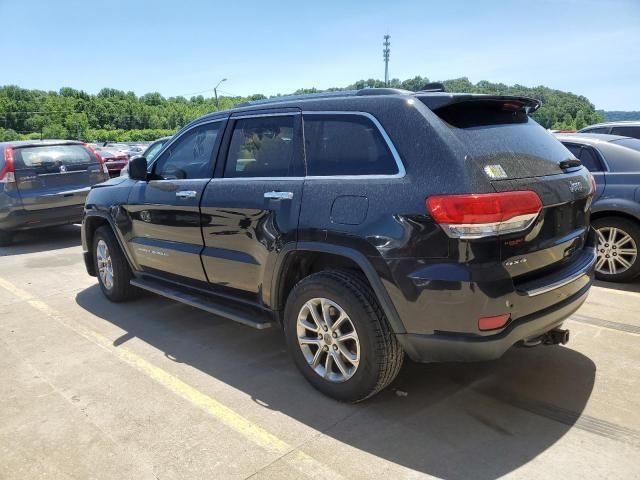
{"x":328,"y":339}
{"x":617,"y":251}
{"x":105,"y":268}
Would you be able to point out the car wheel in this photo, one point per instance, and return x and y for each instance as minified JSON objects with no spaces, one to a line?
{"x":618,"y":242}
{"x":6,"y":238}
{"x":339,"y":337}
{"x":111,"y":267}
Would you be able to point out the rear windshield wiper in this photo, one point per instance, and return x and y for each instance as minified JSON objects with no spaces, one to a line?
{"x":572,"y":162}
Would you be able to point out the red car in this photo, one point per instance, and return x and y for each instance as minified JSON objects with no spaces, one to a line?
{"x":115,"y":160}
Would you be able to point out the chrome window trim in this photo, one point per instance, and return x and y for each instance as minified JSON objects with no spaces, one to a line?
{"x":259,"y":115}
{"x":396,"y":156}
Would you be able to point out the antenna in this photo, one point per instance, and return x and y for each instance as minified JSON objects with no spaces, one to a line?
{"x":385,"y":56}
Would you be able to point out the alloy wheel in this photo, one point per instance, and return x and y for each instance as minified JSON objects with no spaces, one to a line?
{"x":617,"y":251}
{"x":105,"y":268}
{"x":328,"y":340}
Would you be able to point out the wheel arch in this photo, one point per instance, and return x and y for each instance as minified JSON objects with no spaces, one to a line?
{"x":90,"y":223}
{"x":299,"y":260}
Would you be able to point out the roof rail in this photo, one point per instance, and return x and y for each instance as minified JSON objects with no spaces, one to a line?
{"x":382,"y":91}
{"x":305,"y":96}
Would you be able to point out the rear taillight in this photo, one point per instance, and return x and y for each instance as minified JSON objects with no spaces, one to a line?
{"x":99,"y":157}
{"x":484,"y":214}
{"x":7,"y":174}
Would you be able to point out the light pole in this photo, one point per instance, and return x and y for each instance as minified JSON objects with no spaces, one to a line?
{"x":215,"y":90}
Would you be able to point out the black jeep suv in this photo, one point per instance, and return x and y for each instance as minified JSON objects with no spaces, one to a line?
{"x":368,"y":224}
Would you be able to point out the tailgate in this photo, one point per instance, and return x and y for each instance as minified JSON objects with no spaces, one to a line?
{"x":52,"y":176}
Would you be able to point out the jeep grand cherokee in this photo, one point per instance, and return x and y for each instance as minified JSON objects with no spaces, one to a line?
{"x":368,"y":225}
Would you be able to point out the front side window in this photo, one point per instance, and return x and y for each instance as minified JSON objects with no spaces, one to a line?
{"x":345,"y":144}
{"x":190,"y":156}
{"x":262,"y":147}
{"x":595,"y":130}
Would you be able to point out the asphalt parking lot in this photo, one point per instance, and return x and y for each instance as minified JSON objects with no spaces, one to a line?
{"x":156,"y":389}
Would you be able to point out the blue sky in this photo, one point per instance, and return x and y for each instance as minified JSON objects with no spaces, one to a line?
{"x":587,"y":47}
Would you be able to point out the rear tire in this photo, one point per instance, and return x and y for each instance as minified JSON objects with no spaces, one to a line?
{"x":617,"y":238}
{"x":368,"y":339}
{"x":6,"y":238}
{"x":111,"y":267}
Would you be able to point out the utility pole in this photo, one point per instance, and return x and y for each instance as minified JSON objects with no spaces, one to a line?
{"x":215,"y":91}
{"x":385,"y":55}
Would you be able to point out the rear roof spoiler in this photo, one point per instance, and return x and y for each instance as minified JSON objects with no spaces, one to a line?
{"x":438,"y":100}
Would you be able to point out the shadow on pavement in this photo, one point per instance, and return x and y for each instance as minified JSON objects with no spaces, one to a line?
{"x":452,"y":421}
{"x":43,"y":239}
{"x":633,"y":286}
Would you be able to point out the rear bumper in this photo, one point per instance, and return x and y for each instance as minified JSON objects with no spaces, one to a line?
{"x":21,"y":219}
{"x":441,"y":347}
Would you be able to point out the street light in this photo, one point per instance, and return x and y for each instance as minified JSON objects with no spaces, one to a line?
{"x":215,"y":90}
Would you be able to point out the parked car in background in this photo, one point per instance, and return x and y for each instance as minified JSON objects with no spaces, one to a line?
{"x":625,"y":129}
{"x":114,"y":159}
{"x":150,"y":153}
{"x":44,"y":183}
{"x":368,"y":224}
{"x":614,"y":161}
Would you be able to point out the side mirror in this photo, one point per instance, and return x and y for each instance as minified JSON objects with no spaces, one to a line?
{"x":138,"y":168}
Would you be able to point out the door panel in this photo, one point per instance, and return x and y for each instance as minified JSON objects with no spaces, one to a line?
{"x":243,"y":231}
{"x":166,"y":236}
{"x":251,"y":213}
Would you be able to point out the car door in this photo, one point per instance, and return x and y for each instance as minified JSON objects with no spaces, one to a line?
{"x":166,"y":237}
{"x":250,"y":210}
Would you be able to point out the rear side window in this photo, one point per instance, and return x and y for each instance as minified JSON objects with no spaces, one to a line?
{"x":626,"y":131}
{"x":345,"y":144}
{"x":590,"y":160}
{"x":262,"y":147}
{"x":53,"y":158}
{"x":621,"y":159}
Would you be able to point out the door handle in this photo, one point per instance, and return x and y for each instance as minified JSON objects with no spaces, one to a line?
{"x":278,"y":195}
{"x":186,"y":194}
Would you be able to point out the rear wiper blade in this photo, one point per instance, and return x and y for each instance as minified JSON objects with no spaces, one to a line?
{"x":572,"y":162}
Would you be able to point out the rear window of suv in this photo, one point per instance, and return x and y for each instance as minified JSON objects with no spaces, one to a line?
{"x":345,"y":144}
{"x":49,"y":159}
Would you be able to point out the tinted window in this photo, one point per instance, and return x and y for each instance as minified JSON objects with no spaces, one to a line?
{"x":595,"y":130}
{"x":50,"y":158}
{"x":590,"y":160}
{"x":344,"y":144}
{"x":262,"y":147}
{"x":575,"y":149}
{"x":190,"y":156}
{"x":626,"y":131}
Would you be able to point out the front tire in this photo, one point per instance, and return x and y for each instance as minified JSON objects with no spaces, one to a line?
{"x":111,"y":267}
{"x":339,"y":337}
{"x":618,"y":243}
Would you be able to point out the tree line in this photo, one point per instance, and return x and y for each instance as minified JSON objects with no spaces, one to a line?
{"x":115,"y":115}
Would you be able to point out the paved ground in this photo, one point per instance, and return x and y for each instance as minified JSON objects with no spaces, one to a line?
{"x":155,"y":389}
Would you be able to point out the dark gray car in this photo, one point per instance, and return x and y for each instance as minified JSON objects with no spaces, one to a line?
{"x":626,"y":128}
{"x":614,"y":162}
{"x":44,"y":183}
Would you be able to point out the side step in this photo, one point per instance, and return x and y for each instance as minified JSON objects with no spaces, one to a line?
{"x":252,"y":317}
